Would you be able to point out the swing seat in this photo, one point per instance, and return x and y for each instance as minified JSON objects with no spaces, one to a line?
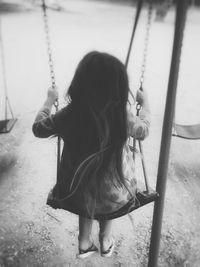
{"x":142,"y":198}
{"x":146,"y":197}
{"x":186,"y":131}
{"x":7,"y":125}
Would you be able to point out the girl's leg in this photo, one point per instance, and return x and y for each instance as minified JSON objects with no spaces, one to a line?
{"x":105,"y":234}
{"x":85,"y":228}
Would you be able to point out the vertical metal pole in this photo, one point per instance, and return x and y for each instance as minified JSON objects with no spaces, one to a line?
{"x":139,"y":7}
{"x":181,"y":10}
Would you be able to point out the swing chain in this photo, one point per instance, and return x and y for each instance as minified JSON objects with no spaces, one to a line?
{"x":49,"y":51}
{"x":146,"y":42}
{"x":145,"y":51}
{"x":3,"y":66}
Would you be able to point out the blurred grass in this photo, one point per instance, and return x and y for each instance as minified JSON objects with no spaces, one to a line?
{"x":12,"y":7}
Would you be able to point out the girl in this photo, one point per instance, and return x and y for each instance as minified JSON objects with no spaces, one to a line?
{"x":96,"y":176}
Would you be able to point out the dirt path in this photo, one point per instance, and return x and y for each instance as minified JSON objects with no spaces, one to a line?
{"x":32,"y":234}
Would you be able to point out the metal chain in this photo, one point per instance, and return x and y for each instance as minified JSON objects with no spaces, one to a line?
{"x":7,"y":102}
{"x":138,"y":106}
{"x":145,"y":51}
{"x":49,"y":51}
{"x":52,"y":75}
{"x":146,"y":42}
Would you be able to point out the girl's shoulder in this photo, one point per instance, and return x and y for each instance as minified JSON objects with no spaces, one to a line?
{"x":62,"y":119}
{"x":63,"y":113}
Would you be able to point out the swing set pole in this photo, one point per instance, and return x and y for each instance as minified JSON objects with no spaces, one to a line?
{"x":181,"y":10}
{"x":138,"y":11}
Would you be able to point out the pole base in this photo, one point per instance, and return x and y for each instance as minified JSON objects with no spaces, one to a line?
{"x":7,"y":125}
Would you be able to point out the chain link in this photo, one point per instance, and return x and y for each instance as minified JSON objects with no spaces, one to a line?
{"x":146,"y":42}
{"x":49,"y":51}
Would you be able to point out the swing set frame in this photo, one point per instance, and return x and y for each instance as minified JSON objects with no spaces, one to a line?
{"x":159,"y":195}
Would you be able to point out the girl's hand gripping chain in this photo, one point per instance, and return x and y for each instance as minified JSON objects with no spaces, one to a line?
{"x":142,"y":99}
{"x":52,"y":95}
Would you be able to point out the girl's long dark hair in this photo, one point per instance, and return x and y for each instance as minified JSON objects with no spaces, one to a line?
{"x":100,"y":87}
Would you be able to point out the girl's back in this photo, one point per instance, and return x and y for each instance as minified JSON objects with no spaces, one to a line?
{"x":97,"y":171}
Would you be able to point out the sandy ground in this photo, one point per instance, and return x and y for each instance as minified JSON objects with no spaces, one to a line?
{"x":32,"y":234}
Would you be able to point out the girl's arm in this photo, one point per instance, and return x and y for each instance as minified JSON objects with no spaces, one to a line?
{"x":138,"y":126}
{"x":45,"y":123}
